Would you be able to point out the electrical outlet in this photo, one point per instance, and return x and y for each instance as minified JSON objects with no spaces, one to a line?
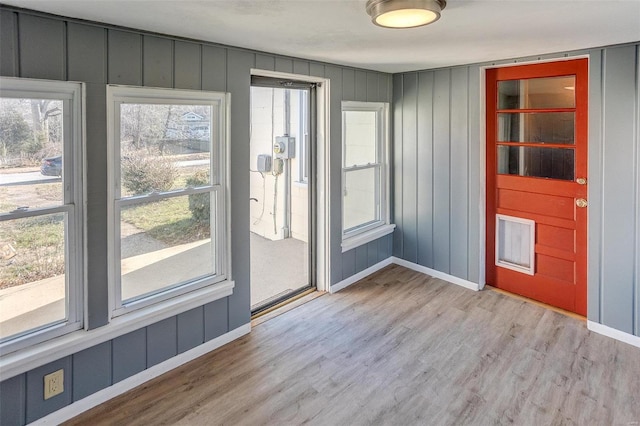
{"x":53,"y":384}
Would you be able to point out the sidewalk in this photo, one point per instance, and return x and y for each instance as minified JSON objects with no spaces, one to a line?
{"x":277,"y":267}
{"x":42,"y":302}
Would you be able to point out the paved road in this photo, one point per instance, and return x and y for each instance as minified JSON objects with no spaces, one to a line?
{"x":37,"y":177}
{"x":25,"y":178}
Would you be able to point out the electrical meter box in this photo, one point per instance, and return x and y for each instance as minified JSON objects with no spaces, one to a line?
{"x":285,"y":147}
{"x":264,"y":163}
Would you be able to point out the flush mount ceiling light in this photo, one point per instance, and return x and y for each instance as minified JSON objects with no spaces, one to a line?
{"x":404,"y":13}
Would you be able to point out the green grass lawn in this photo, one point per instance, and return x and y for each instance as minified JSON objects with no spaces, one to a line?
{"x":169,"y":221}
{"x":38,"y":243}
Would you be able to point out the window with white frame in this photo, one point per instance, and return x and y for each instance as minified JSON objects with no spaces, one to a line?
{"x":168,"y":218}
{"x":365,"y":184}
{"x":40,"y":211}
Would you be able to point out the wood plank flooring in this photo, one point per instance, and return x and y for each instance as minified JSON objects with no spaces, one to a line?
{"x":398,"y":348}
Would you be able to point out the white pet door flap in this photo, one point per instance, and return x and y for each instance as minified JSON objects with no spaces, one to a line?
{"x":515,"y":243}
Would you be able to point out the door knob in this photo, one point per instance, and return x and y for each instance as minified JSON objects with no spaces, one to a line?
{"x":581,"y":181}
{"x":581,"y":202}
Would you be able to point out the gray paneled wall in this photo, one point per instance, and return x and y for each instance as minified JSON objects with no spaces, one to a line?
{"x":434,"y":174}
{"x":438,"y":181}
{"x":620,"y":237}
{"x":35,"y":45}
{"x":100,"y":366}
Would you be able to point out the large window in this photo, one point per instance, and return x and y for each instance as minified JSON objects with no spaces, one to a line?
{"x":40,"y":211}
{"x":364,"y":173}
{"x":168,"y":191}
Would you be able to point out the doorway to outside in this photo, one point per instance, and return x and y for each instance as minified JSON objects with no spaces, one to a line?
{"x":282,"y":187}
{"x":537,"y":182}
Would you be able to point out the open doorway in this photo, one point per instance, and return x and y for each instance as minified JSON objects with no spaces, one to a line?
{"x":281,"y":187}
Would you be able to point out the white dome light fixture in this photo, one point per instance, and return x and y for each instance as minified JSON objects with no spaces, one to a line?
{"x":404,"y":13}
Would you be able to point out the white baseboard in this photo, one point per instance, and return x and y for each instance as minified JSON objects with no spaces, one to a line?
{"x":360,"y":275}
{"x":125,"y":385}
{"x":613,"y":333}
{"x":436,"y":274}
{"x":410,"y":265}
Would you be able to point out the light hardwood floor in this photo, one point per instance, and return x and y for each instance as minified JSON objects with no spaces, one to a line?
{"x":398,"y":348}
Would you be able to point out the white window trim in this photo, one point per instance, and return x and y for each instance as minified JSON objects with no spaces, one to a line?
{"x":303,"y":142}
{"x":72,"y":95}
{"x":379,"y":228}
{"x":210,"y":285}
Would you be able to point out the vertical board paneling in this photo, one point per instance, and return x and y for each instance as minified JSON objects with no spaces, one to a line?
{"x":301,"y":67}
{"x":190,"y":329}
{"x":348,"y":85}
{"x":361,"y":258}
{"x":216,"y":319}
{"x":425,"y":169}
{"x":37,"y":406}
{"x":316,"y":70}
{"x":372,"y":87}
{"x":618,"y":243}
{"x":386,"y":88}
{"x":459,"y":166}
{"x":96,"y":202}
{"x":265,"y":62}
{"x":476,"y":177}
{"x":441,"y":170}
{"x":372,"y":253}
{"x":42,"y":47}
{"x":8,"y":44}
{"x":188,"y":65}
{"x":396,"y":155}
{"x":284,"y":65}
{"x":361,"y":86}
{"x":596,"y":158}
{"x":91,"y":370}
{"x":87,"y":53}
{"x":129,"y":355}
{"x":125,"y":58}
{"x":162,"y":341}
{"x":637,"y":204}
{"x":239,"y":64}
{"x":334,"y":74}
{"x":385,"y":247}
{"x":409,"y":167}
{"x":348,"y":263}
{"x":157,"y":65}
{"x":12,"y":401}
{"x":214,"y":68}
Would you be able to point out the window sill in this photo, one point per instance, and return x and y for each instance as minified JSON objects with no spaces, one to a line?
{"x":27,"y":359}
{"x":366,"y":237}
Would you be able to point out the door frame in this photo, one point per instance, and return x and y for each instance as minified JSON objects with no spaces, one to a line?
{"x":321,"y":151}
{"x":483,"y":154}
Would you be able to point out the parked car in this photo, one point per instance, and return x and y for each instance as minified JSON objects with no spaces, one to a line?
{"x":52,"y":166}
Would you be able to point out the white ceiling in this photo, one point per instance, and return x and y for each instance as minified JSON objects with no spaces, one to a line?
{"x":340,"y":31}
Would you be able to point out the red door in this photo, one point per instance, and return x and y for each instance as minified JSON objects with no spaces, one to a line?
{"x":537,"y":182}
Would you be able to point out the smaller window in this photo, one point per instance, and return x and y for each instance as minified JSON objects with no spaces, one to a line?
{"x":365,"y":180}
